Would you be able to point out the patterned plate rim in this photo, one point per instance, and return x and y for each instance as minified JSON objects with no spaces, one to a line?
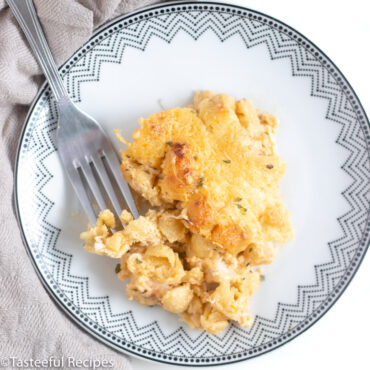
{"x":211,"y":6}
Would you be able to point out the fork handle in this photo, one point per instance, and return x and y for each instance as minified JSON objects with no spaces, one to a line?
{"x":25,"y":13}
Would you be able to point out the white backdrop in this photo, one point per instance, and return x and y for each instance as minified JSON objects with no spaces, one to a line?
{"x":339,"y":340}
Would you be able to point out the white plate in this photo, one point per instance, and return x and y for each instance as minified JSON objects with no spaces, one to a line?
{"x":160,"y":56}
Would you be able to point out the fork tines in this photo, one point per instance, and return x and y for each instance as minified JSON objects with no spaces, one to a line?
{"x":101,"y":183}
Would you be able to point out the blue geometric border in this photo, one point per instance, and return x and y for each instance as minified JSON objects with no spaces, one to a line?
{"x":121,"y":331}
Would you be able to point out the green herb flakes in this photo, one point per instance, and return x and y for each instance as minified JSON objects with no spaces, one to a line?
{"x":170,"y":143}
{"x":243,"y":209}
{"x":201,"y":182}
{"x":118,"y":268}
{"x":226,"y":160}
{"x":138,"y":260}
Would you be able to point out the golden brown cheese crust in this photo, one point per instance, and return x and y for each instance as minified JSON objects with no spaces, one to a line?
{"x":179,"y":173}
{"x":218,"y":159}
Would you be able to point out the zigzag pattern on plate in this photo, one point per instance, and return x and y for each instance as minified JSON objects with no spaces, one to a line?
{"x":122,"y":330}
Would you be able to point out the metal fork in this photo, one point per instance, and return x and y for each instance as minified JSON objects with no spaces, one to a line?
{"x":84,"y":149}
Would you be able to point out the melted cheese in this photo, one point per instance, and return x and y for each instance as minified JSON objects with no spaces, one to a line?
{"x":218,"y":159}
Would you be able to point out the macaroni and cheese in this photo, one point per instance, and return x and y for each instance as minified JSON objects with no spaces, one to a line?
{"x":211,"y":175}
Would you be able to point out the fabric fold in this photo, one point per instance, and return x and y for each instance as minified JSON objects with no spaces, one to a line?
{"x":32,"y":325}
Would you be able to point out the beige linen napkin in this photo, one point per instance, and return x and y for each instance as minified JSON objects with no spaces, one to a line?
{"x":31,"y":324}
